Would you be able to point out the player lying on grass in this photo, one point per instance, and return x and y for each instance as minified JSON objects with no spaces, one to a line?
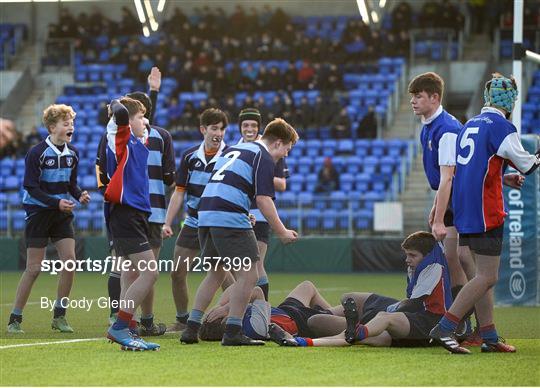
{"x":376,"y":320}
{"x":50,"y":181}
{"x":292,"y":316}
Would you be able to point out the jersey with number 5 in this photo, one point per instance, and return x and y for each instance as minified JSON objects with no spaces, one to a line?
{"x":240,"y":174}
{"x":486,"y":143}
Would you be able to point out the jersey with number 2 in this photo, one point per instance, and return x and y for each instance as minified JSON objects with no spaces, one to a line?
{"x":484,"y":145}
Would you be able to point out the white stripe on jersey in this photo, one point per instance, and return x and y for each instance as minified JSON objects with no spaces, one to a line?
{"x":512,"y":149}
{"x":427,"y":280}
{"x":447,"y":149}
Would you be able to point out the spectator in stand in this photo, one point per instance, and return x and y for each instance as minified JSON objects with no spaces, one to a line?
{"x":129,"y":24}
{"x":430,"y":16}
{"x":341,"y":125}
{"x":174,"y":112}
{"x":401,"y":17}
{"x":368,"y":125}
{"x":306,"y":75}
{"x":322,"y":112}
{"x":290,"y":77}
{"x":10,"y":140}
{"x":304,"y":114}
{"x":328,"y":178}
{"x":32,"y":138}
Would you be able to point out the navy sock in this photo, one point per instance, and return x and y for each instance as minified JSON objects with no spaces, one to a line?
{"x":233,"y":326}
{"x":449,"y":322}
{"x":59,"y":310}
{"x":489,"y":334}
{"x":182,"y":316}
{"x":15,"y":318}
{"x":147,"y":320}
{"x":195,"y":319}
{"x":114,"y":291}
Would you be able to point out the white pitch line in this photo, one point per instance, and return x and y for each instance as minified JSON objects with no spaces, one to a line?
{"x":51,"y":343}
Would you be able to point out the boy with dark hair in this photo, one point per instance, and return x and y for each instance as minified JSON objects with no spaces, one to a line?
{"x":128,"y":209}
{"x":50,"y":180}
{"x":376,"y":320}
{"x":487,"y":143}
{"x":243,"y":174}
{"x":438,"y":137}
{"x":193,"y":174}
{"x":250,"y":122}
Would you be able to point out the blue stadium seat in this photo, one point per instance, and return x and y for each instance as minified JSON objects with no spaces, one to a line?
{"x":18,"y":220}
{"x":362,"y":183}
{"x":328,"y":147}
{"x":296,"y":182}
{"x":329,"y":219}
{"x":362,"y":219}
{"x":338,"y":199}
{"x":354,"y":164}
{"x":345,"y":146}
{"x":311,"y":219}
{"x":82,"y":219}
{"x":305,"y":165}
{"x":346,"y":182}
{"x":11,"y":183}
{"x":370,"y":164}
{"x":311,"y":182}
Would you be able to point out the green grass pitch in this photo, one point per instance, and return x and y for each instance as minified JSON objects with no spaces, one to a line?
{"x":98,"y":363}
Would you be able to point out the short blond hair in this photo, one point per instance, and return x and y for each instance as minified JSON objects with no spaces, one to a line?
{"x":56,"y":112}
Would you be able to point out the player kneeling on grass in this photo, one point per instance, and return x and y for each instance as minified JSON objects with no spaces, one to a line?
{"x":380,"y":321}
{"x":128,"y":203}
{"x":242,"y":174}
{"x":262,"y":321}
{"x":50,"y":178}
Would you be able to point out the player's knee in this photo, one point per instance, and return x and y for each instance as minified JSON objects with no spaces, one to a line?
{"x":152,"y":276}
{"x":383,"y":315}
{"x":308,"y":284}
{"x":32,"y":272}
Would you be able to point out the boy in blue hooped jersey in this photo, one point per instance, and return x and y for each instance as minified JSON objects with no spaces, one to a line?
{"x":438,"y":137}
{"x":250,"y":122}
{"x":487,"y":143}
{"x":193,"y":174}
{"x":50,"y":181}
{"x":242,"y":174}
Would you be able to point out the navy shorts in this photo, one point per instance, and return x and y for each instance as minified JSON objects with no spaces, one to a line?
{"x":45,"y":224}
{"x":188,"y":238}
{"x":262,"y":232}
{"x":228,"y":242}
{"x":374,"y":304}
{"x":129,"y":230}
{"x":487,"y":243}
{"x":300,"y":314}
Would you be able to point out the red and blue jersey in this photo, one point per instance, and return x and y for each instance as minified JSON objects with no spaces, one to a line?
{"x":485,"y":145}
{"x":438,"y":138}
{"x":127,"y":167}
{"x":430,"y":281}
